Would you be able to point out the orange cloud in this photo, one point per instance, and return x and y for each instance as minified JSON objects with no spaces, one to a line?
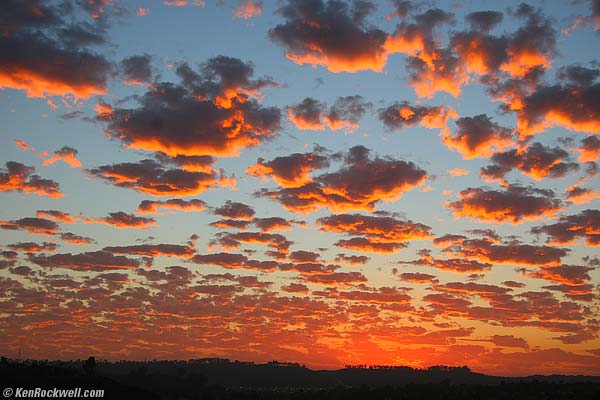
{"x":487,"y":251}
{"x":66,"y":154}
{"x":460,"y":265}
{"x":234,"y":261}
{"x":444,"y":73}
{"x":351,"y":259}
{"x":289,"y":171}
{"x":317,"y":34}
{"x":458,"y":172}
{"x":579,"y":195}
{"x":232,"y":240}
{"x":477,"y":136}
{"x":148,"y":176}
{"x":19,"y":177}
{"x":515,"y":204}
{"x":57,"y":216}
{"x":235,"y":210}
{"x":23,"y":145}
{"x":589,"y":150}
{"x":71,"y":238}
{"x":360,"y":184}
{"x":154,"y":207}
{"x":400,"y":115}
{"x":122,"y":220}
{"x":216,"y":122}
{"x":154,"y":250}
{"x":536,"y":161}
{"x":311,"y":114}
{"x":585,"y":225}
{"x":569,"y":106}
{"x":35,"y":226}
{"x":31,"y":247}
{"x":90,"y":261}
{"x":381,"y":229}
{"x":418,"y":277}
{"x":370,"y":245}
{"x":248,"y":9}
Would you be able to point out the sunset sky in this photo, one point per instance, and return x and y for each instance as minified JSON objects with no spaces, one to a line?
{"x":323,"y":182}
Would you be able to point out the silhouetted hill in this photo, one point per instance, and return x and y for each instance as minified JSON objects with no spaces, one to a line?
{"x":224,"y":379}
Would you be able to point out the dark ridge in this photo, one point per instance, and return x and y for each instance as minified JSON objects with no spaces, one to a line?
{"x":216,"y":378}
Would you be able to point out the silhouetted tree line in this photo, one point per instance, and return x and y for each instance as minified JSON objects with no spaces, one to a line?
{"x":224,"y":380}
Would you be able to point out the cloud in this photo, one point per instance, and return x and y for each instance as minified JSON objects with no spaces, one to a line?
{"x":66,"y":154}
{"x":336,"y":278}
{"x":402,"y":115}
{"x":235,"y":210}
{"x":595,"y":13}
{"x":275,"y":224}
{"x":330,"y":34}
{"x":148,"y":176}
{"x":89,"y":261}
{"x":155,"y":207}
{"x":295,"y":288}
{"x":212,"y":111}
{"x":246,"y":9}
{"x":371,"y":245}
{"x":183,"y":3}
{"x":32,"y":247}
{"x":358,"y":185}
{"x":536,"y":161}
{"x":418,"y":277}
{"x":137,"y":69}
{"x":515,"y":204}
{"x":476,"y":136}
{"x":57,"y":216}
{"x":572,"y":105}
{"x":23,"y":145}
{"x":304,"y":256}
{"x":30,"y":34}
{"x":123,"y":220}
{"x":460,"y":265}
{"x":21,"y":178}
{"x":230,"y":223}
{"x":458,"y":172}
{"x":512,"y":252}
{"x":573,"y":275}
{"x":351,"y":259}
{"x":307,"y":115}
{"x":509,"y":341}
{"x":441,"y":72}
{"x":580,"y":195}
{"x":585,"y":225}
{"x":153,"y":250}
{"x":484,"y":21}
{"x":311,"y":114}
{"x":234,"y":261}
{"x":35,"y":226}
{"x":376,"y":234}
{"x":232,"y":240}
{"x":430,"y":67}
{"x":381,"y":295}
{"x":72,"y":238}
{"x":187,"y":163}
{"x":290,"y":171}
{"x":589,"y":150}
{"x":346,"y":112}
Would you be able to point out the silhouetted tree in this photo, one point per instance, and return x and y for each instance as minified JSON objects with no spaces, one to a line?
{"x":89,"y":366}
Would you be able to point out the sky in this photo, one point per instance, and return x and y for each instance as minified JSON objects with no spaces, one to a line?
{"x":323,"y":182}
